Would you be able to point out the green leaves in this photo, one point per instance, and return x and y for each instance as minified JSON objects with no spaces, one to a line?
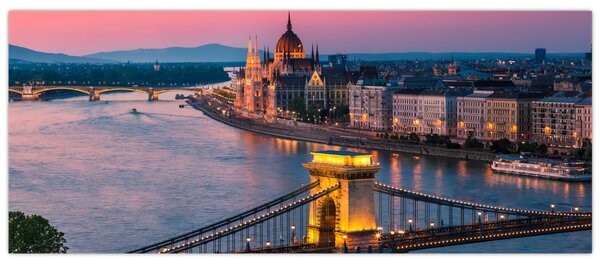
{"x":33,"y":234}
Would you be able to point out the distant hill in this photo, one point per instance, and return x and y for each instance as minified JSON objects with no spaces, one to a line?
{"x":22,"y":54}
{"x":236,"y":55}
{"x":204,"y":53}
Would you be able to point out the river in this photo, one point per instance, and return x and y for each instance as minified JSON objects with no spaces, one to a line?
{"x":113,"y":181}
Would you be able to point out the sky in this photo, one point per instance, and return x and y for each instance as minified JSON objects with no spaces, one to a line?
{"x":86,"y":32}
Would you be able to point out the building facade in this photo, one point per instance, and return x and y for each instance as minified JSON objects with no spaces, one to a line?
{"x":426,"y":111}
{"x":370,"y":105}
{"x":554,"y":120}
{"x":583,"y":121}
{"x":272,"y":85}
{"x":508,"y":115}
{"x":471,"y":115}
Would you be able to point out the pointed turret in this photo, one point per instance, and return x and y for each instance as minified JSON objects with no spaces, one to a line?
{"x":250,"y":45}
{"x":289,"y":24}
{"x":312,"y":52}
{"x":317,"y":56}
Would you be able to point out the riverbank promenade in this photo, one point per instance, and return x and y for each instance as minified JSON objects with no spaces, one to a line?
{"x":325,"y":134}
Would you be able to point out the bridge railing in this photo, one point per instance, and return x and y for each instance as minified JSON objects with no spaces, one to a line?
{"x":406,"y":210}
{"x":232,"y":229}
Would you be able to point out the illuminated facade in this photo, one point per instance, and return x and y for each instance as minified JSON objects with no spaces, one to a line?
{"x":554,"y":120}
{"x":370,"y":105}
{"x":508,"y":115}
{"x":471,"y":115}
{"x":425,"y":111}
{"x":271,"y":86}
{"x":347,"y":214}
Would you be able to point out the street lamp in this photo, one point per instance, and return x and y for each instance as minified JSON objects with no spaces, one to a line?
{"x":410,"y":221}
{"x":552,"y":206}
{"x":576,"y":209}
{"x":268,"y":244}
{"x":293,"y":234}
{"x":479,"y":215}
{"x":501,"y":216}
{"x":431,"y":224}
{"x":248,"y":244}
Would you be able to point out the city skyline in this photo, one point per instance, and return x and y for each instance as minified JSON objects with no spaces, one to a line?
{"x":558,"y":31}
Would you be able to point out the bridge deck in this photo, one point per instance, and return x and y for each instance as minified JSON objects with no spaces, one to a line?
{"x":449,"y":236}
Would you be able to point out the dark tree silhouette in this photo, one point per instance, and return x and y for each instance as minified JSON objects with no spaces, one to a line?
{"x":33,"y":234}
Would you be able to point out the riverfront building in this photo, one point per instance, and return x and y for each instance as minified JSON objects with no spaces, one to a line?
{"x":471,"y":115}
{"x":426,"y":111}
{"x":371,"y":104}
{"x":508,"y":115}
{"x":555,"y":119}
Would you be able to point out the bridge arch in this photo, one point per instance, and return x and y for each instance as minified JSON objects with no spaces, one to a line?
{"x":16,"y":91}
{"x":132,"y":89}
{"x":81,"y":90}
{"x":191,"y":90}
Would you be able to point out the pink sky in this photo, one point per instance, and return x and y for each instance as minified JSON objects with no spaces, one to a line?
{"x":84,"y":32}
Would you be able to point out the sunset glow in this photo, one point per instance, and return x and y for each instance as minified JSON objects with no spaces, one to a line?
{"x":80,"y":33}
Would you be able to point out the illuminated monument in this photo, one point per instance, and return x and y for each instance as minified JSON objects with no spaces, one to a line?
{"x":348,"y":214}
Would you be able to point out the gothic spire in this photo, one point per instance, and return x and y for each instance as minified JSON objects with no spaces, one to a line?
{"x":256,"y":47}
{"x":317,"y":56}
{"x":312,"y":52}
{"x":289,"y":25}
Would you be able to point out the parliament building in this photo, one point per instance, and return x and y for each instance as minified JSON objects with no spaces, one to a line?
{"x":269,"y":86}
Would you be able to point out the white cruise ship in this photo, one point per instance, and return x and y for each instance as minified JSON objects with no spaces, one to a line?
{"x":545,"y":168}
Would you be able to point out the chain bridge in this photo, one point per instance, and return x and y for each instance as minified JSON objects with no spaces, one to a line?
{"x":344,"y":209}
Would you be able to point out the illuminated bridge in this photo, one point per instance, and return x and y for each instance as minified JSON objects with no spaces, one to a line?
{"x":343,"y":209}
{"x":28,"y":92}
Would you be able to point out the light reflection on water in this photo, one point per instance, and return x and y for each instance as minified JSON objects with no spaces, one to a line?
{"x":115,"y":181}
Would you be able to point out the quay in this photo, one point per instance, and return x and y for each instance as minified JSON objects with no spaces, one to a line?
{"x":324,"y":134}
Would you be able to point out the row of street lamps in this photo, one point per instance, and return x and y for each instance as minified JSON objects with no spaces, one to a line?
{"x":268,"y":243}
{"x":380,"y":229}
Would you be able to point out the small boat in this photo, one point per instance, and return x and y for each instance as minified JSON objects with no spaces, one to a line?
{"x":134,"y":110}
{"x":181,"y":106}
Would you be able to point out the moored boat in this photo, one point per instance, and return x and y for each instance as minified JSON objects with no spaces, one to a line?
{"x":566,"y":170}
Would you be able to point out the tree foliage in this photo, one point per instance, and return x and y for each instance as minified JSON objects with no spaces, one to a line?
{"x":585,"y":152}
{"x":473,"y":143}
{"x":532,"y":148}
{"x":142,"y":74}
{"x":33,"y":234}
{"x":502,"y":146}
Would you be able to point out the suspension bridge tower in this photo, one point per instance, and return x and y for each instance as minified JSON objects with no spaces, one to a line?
{"x":347,"y":215}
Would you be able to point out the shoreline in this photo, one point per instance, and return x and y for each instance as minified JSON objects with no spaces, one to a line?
{"x":326,"y":135}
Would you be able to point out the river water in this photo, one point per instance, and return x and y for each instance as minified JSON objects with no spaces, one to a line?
{"x":113,"y":181}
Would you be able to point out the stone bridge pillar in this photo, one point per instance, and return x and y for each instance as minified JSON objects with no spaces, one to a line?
{"x":94,"y":94}
{"x":28,"y":93}
{"x":152,"y":95}
{"x":347,"y":214}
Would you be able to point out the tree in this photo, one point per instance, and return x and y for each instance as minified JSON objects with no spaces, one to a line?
{"x":585,"y":152}
{"x":33,"y":234}
{"x":473,"y":143}
{"x":297,"y":105}
{"x":414,"y":137}
{"x":502,"y":146}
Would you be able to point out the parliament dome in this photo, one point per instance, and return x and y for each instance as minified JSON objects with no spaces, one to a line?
{"x":289,"y":41}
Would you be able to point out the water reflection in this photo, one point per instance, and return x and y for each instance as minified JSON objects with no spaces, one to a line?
{"x":112,"y":180}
